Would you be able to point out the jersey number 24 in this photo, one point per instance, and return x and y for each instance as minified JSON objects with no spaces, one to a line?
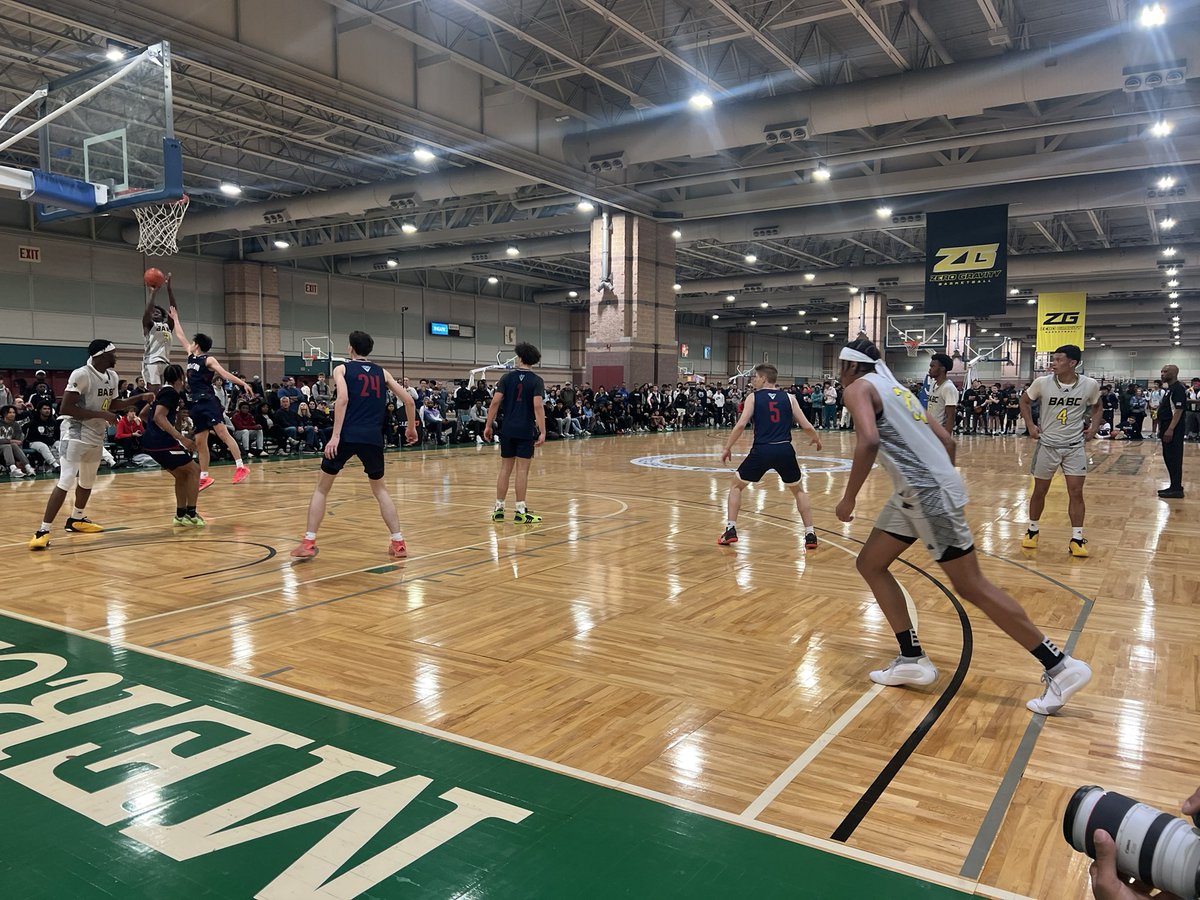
{"x":910,"y":403}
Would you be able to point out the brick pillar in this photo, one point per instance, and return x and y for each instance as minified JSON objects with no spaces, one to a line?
{"x":578,"y":346}
{"x":736,"y":351}
{"x":251,"y":336}
{"x":631,"y":334}
{"x":868,"y":315}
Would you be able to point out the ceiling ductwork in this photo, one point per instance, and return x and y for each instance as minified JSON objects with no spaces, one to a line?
{"x":401,"y":195}
{"x":951,"y":91}
{"x":477,"y":254}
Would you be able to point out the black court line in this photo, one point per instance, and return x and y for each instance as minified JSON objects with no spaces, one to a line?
{"x":275,"y":672}
{"x":889,"y":772}
{"x":271,"y":551}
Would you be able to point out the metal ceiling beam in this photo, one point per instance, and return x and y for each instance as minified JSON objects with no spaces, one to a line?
{"x":640,"y":101}
{"x":877,"y":34}
{"x":636,"y":33}
{"x":765,"y":42}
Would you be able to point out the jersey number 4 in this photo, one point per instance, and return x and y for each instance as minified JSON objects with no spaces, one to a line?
{"x":1062,"y":415}
{"x":369,"y":386}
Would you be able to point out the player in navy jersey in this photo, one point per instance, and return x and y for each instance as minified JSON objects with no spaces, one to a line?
{"x":203,"y":405}
{"x":170,"y":449}
{"x":520,"y":395}
{"x":774,"y":411}
{"x":358,"y":414}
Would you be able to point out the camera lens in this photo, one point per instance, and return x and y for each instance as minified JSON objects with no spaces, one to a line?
{"x":1155,"y":847}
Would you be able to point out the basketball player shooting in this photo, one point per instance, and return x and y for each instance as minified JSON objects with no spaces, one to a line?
{"x":156,"y":329}
{"x":928,"y":505}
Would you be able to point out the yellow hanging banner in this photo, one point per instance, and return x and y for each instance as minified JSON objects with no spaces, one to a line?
{"x":1060,"y":320}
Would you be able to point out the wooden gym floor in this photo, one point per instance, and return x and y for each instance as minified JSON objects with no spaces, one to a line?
{"x":618,"y":643}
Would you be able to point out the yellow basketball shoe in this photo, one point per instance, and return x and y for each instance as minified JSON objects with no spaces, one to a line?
{"x":1030,"y":541}
{"x":1077,"y":548}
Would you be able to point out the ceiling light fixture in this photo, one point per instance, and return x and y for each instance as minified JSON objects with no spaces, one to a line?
{"x":114,"y":53}
{"x":854,"y":290}
{"x":764,"y":304}
{"x":677,"y":286}
{"x":409,"y":228}
{"x":1014,"y":291}
{"x":729,"y":298}
{"x":1173,"y":283}
{"x":513,"y":250}
{"x":821,"y":172}
{"x":803,"y":312}
{"x":1166,"y":223}
{"x":809,"y":276}
{"x":1166,"y":182}
{"x":716,"y":315}
{"x":751,"y":259}
{"x":677,"y":234}
{"x":784,"y":327}
{"x":281,"y":244}
{"x":1161,"y":128}
{"x":908,"y":307}
{"x":754,"y":321}
{"x":700,"y":102}
{"x":229,"y":189}
{"x":834,"y":319}
{"x":572,"y":294}
{"x":807,"y":331}
{"x":883,"y":211}
{"x":1031,"y":301}
{"x":423,"y":155}
{"x":1152,"y":15}
{"x":391,"y":263}
{"x":585,"y":206}
{"x":492,"y":279}
{"x":1174,"y":270}
{"x":1169,"y":251}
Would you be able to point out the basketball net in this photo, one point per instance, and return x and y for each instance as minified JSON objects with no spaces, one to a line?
{"x":158,"y":226}
{"x":911,"y":347}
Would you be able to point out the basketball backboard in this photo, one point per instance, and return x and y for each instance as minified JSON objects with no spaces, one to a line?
{"x":123,"y":135}
{"x":929,"y":331}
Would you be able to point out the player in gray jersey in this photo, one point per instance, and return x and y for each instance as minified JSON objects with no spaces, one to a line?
{"x":1070,"y":415}
{"x":929,"y":506}
{"x":156,"y":329}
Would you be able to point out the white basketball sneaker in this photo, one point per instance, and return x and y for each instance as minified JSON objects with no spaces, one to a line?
{"x":1075,"y":674}
{"x":903,"y":670}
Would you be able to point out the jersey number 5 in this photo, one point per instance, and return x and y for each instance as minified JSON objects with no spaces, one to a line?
{"x":773,"y":409}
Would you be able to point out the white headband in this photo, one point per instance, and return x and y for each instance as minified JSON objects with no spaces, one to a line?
{"x":849,"y":354}
{"x":108,"y":349}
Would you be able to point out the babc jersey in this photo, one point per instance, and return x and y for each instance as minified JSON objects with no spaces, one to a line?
{"x":772,"y":416}
{"x":1066,"y":408}
{"x":910,"y":450}
{"x":158,"y":343}
{"x":366,"y":403}
{"x":96,"y":391}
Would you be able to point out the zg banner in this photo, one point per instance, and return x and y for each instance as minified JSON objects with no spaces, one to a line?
{"x":966,"y":261}
{"x":1060,"y":320}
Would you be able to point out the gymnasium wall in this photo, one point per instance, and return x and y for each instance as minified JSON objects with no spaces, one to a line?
{"x":797,"y":360}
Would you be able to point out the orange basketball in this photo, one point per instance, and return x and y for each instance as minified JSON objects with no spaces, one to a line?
{"x":154,"y":278}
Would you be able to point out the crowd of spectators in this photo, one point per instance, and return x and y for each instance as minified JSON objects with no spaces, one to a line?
{"x":294,"y":418}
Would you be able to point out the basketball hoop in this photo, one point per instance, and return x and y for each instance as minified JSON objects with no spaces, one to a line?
{"x":313,"y":356}
{"x":911,"y":347}
{"x":158,"y":226}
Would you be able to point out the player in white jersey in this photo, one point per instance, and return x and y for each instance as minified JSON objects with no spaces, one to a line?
{"x":89,"y":405}
{"x":1071,"y":415}
{"x":156,"y":329}
{"x":943,"y":394}
{"x":929,"y":505}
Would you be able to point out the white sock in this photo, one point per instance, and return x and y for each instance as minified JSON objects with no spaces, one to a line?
{"x":310,"y":535}
{"x":203,"y":474}
{"x":45,"y":526}
{"x":1033,"y":525}
{"x":731,"y":524}
{"x":520,"y":507}
{"x":397,"y":536}
{"x":499,"y":505}
{"x":237,"y":461}
{"x":1077,"y":534}
{"x":77,"y":513}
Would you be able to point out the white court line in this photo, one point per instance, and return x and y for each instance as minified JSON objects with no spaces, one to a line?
{"x":788,"y":775}
{"x":199,"y":606}
{"x":834,"y":847}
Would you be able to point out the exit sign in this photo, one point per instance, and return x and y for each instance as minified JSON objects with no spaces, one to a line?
{"x":29,"y":254}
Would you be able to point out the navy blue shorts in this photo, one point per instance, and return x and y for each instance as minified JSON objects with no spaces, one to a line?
{"x":764,"y":457}
{"x":522,"y":448}
{"x":205,"y":414}
{"x":170,"y":458}
{"x":370,"y":455}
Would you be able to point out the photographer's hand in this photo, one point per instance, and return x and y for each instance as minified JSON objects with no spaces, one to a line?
{"x":1107,"y":882}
